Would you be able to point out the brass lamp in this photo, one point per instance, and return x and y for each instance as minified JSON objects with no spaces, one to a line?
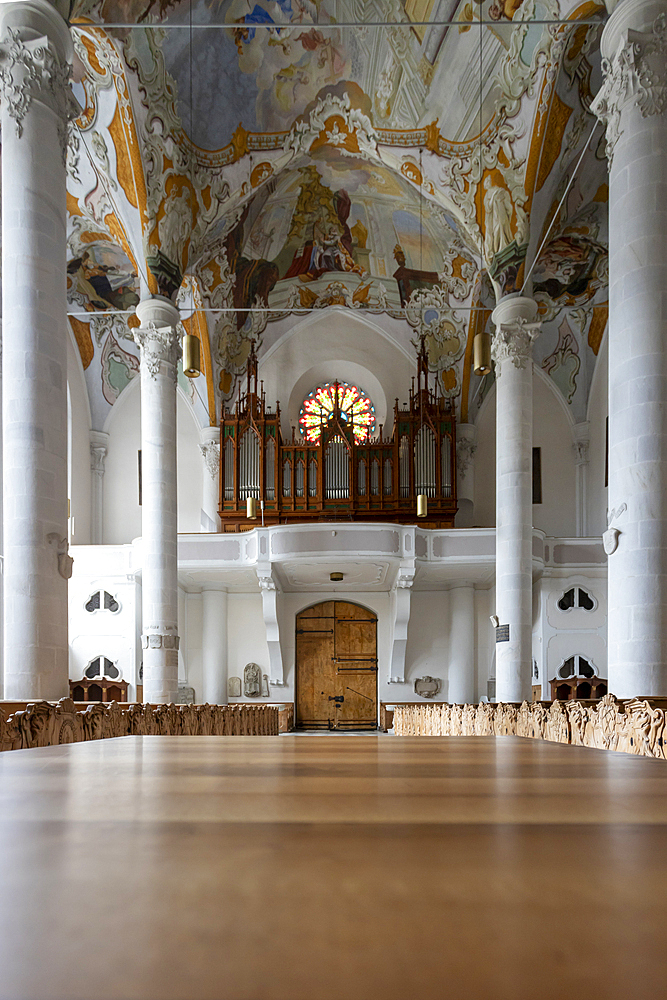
{"x":191,"y":356}
{"x":251,"y":508}
{"x":422,"y":505}
{"x":481,"y":350}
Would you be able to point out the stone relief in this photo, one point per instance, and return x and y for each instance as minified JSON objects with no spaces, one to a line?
{"x":233,"y":687}
{"x":427,"y":687}
{"x":252,"y":680}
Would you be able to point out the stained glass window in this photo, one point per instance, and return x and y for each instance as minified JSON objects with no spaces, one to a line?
{"x":353,"y":404}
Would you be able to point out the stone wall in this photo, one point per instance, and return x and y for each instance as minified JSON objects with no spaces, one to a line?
{"x":636,"y":726}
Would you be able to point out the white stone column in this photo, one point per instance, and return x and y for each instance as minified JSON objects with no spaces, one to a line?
{"x":514,"y":318}
{"x":99,"y":443}
{"x":35,"y":60}
{"x":466,"y":446}
{"x":210,"y":449}
{"x":214,"y":646}
{"x":633,"y":105}
{"x":160,"y":350}
{"x":461,"y":672}
{"x":581,"y":434}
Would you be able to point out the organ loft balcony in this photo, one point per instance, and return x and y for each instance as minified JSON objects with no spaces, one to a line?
{"x":337,"y":467}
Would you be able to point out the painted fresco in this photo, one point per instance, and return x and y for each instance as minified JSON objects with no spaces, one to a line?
{"x":100,"y":278}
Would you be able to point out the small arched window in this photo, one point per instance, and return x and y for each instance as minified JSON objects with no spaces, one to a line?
{"x":577,"y":597}
{"x":102,"y":600}
{"x":577,"y":666}
{"x":101,"y":666}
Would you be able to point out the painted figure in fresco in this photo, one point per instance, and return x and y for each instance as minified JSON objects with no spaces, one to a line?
{"x":100,"y":285}
{"x":568,"y":267}
{"x":409,"y":279}
{"x":330,"y":245}
{"x":255,"y":279}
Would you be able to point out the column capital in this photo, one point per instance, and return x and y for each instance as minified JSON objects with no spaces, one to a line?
{"x":466,"y":446}
{"x":210,"y":449}
{"x":99,"y":442}
{"x":158,"y":336}
{"x":36,"y":55}
{"x":515,"y":319}
{"x":581,"y":442}
{"x":634,"y":65}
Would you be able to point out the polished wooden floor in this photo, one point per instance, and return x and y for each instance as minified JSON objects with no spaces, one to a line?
{"x":331,"y":867}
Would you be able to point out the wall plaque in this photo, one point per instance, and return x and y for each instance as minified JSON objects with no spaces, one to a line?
{"x":502,"y":633}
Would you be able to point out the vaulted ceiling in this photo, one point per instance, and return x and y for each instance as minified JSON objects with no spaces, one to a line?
{"x":409,"y":159}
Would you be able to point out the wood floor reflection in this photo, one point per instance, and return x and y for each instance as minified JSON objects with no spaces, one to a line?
{"x":314,"y":867}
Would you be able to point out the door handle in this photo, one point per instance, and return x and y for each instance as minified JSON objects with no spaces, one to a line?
{"x":340,"y":698}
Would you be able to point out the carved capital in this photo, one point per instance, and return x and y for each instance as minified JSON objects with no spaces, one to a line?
{"x":98,"y":451}
{"x":514,"y":342}
{"x":160,"y":349}
{"x":635,"y":76}
{"x":32,"y":70}
{"x":211,"y":452}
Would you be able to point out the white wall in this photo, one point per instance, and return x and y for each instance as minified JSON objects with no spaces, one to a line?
{"x":598,"y":407}
{"x":122,"y":513}
{"x":427,"y":650}
{"x":313,"y":352}
{"x":552,"y":432}
{"x":103,"y":633}
{"x":246,"y":641}
{"x":79,"y":447}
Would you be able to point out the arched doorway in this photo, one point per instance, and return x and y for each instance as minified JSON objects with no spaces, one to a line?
{"x":336,"y":667}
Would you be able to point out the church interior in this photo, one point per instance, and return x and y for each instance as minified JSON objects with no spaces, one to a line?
{"x":334,"y":499}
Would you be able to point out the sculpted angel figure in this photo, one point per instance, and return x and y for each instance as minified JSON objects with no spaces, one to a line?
{"x":498,"y":210}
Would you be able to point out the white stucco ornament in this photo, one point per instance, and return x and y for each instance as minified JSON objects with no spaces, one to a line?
{"x":610,"y":540}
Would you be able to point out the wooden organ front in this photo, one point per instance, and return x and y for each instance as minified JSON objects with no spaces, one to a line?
{"x":337,"y":477}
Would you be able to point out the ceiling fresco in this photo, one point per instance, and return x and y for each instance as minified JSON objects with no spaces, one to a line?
{"x":256,"y":160}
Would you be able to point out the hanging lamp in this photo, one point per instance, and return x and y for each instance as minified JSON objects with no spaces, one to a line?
{"x":191,"y":356}
{"x":481,"y":349}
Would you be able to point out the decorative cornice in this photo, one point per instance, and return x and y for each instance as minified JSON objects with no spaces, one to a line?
{"x":211,"y":452}
{"x":514,"y":341}
{"x":160,"y":349}
{"x":32,"y":71}
{"x":635,"y":76}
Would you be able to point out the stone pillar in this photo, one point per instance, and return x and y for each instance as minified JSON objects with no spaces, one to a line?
{"x":466,"y":446}
{"x":461,"y":672}
{"x":632,"y":103}
{"x":514,"y":318}
{"x":99,"y":442}
{"x":210,"y":449}
{"x":160,"y":350}
{"x":214,"y":646}
{"x":581,"y":433}
{"x":35,"y":61}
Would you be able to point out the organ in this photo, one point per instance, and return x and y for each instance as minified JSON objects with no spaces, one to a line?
{"x":336,"y":476}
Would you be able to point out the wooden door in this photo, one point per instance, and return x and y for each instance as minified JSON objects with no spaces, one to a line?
{"x":336,"y":667}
